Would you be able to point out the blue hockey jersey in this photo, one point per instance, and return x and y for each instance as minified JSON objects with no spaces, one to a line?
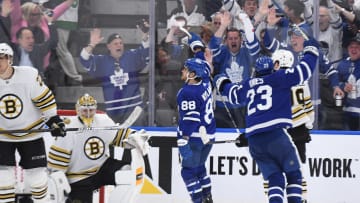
{"x":268,"y":98}
{"x":195,"y":106}
{"x":120,"y":79}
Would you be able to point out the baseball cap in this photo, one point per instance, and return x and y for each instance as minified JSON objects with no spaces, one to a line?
{"x":355,"y":39}
{"x":112,"y":37}
{"x":297,"y":32}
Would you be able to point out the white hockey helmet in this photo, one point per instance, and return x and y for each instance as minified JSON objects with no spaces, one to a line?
{"x":86,"y":107}
{"x":284,"y":57}
{"x":5,"y":49}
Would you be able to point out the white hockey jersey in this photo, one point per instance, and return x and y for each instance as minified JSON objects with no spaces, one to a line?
{"x":25,"y":102}
{"x":302,"y":107}
{"x":80,"y":154}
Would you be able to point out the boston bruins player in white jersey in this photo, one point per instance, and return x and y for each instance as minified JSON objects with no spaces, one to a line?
{"x":26,"y":103}
{"x":83,"y":157}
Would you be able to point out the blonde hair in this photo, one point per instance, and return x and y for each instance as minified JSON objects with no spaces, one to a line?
{"x":27,"y":9}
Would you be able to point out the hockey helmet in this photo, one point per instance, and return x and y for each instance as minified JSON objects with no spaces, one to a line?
{"x":198,"y":66}
{"x":264,"y":65}
{"x":284,"y":57}
{"x":5,"y":49}
{"x":86,"y":107}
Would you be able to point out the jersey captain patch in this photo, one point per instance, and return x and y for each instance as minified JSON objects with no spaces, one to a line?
{"x":11,"y":106}
{"x":94,"y":148}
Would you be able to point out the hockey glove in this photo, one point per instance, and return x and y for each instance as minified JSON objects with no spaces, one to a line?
{"x":242,"y":141}
{"x":195,"y":43}
{"x":57,"y":125}
{"x":184,"y":148}
{"x":311,"y":46}
{"x":220,"y":80}
{"x":123,"y":136}
{"x":139,"y":140}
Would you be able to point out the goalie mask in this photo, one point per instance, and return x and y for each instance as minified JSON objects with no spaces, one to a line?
{"x":86,"y":109}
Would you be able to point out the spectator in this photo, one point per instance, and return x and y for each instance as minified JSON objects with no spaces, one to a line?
{"x":118,"y":71}
{"x":250,"y":7}
{"x":190,"y":10}
{"x":206,"y":32}
{"x":5,"y":8}
{"x":349,"y":74}
{"x":31,"y":15}
{"x":209,"y":7}
{"x":280,"y":26}
{"x":330,"y":38}
{"x":166,"y":86}
{"x":330,"y":27}
{"x":29,"y":53}
{"x":177,"y":39}
{"x":66,"y":23}
{"x":236,"y":60}
{"x":351,"y":22}
{"x":216,"y":20}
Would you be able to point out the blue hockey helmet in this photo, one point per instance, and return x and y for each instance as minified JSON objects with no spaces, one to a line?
{"x":199,"y":66}
{"x":264,"y":65}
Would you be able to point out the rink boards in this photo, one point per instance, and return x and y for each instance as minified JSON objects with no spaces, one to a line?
{"x":332,"y":170}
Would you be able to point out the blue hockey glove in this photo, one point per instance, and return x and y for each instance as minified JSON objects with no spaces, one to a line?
{"x":184,"y":148}
{"x":57,"y":125}
{"x":311,"y":46}
{"x":220,"y":80}
{"x":242,"y":141}
{"x":195,"y":42}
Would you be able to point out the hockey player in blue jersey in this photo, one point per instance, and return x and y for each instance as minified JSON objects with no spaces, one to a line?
{"x":267,"y":97}
{"x":195,"y":106}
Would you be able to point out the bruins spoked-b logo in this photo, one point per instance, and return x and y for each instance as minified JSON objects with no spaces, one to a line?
{"x":94,"y":148}
{"x":10,"y":106}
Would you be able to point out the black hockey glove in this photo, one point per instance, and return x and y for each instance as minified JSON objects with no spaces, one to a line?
{"x":57,"y":125}
{"x":242,"y":141}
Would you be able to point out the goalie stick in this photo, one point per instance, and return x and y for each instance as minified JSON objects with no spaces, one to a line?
{"x":127,"y":123}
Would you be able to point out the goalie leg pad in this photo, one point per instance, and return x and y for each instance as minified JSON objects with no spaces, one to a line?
{"x":59,"y":187}
{"x":7,"y":184}
{"x":36,"y":180}
{"x":125,"y":176}
{"x":124,"y":194}
{"x":129,"y":180}
{"x":132,"y":174}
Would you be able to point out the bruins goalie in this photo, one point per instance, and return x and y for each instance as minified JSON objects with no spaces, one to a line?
{"x":83,"y":161}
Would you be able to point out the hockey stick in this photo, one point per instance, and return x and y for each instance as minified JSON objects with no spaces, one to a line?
{"x":227,"y":109}
{"x":223,"y":141}
{"x":128,"y":122}
{"x":202,"y":129}
{"x":132,"y":118}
